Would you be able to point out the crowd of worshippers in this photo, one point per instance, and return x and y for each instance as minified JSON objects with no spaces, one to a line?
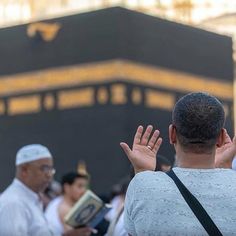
{"x":150,"y":200}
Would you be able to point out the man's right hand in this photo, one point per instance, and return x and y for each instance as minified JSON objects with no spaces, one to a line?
{"x":144,"y":150}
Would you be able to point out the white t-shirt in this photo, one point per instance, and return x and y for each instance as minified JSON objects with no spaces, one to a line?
{"x":154,"y":205}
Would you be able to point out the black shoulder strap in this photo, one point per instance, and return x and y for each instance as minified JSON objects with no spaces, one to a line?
{"x":195,"y":206}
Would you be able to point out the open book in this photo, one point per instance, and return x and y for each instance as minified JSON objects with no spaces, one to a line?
{"x":89,"y":210}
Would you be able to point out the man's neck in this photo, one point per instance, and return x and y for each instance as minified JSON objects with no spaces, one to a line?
{"x":68,"y":200}
{"x":195,"y":161}
{"x":27,"y":184}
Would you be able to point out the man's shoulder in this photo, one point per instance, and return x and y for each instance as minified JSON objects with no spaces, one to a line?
{"x":146,"y":175}
{"x":11,"y":196}
{"x":63,"y":208}
{"x":55,"y":202}
{"x":9,"y":201}
{"x":226,"y":172}
{"x":151,"y":179}
{"x":8,"y":194}
{"x":217,"y":172}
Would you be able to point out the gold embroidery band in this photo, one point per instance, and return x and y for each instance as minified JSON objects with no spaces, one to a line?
{"x":107,"y":71}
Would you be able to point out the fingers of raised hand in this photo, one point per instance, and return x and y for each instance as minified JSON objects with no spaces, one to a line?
{"x":157,"y":145}
{"x":138,"y":135}
{"x":126,"y":148}
{"x":146,"y":135}
{"x":153,"y":139}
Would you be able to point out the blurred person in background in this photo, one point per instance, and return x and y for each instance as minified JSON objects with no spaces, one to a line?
{"x":163,"y":163}
{"x":51,"y":192}
{"x":116,"y":215}
{"x":74,"y":186}
{"x":117,"y":197}
{"x":21,"y":208}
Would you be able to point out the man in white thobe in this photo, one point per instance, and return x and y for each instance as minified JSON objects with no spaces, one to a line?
{"x":21,"y":210}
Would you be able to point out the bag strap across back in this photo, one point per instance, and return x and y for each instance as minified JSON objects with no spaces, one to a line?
{"x":195,"y":206}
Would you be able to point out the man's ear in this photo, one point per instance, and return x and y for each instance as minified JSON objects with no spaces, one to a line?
{"x":172,"y":134}
{"x":24,"y":169}
{"x":221,"y":138}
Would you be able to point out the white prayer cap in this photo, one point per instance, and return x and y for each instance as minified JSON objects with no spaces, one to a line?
{"x":32,"y":152}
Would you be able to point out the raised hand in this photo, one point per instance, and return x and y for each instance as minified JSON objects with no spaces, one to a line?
{"x":144,"y":150}
{"x":225,"y":154}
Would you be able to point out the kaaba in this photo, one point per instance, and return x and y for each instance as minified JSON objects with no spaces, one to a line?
{"x":81,"y":84}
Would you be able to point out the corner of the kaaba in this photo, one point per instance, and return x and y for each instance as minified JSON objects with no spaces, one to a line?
{"x":85,"y":89}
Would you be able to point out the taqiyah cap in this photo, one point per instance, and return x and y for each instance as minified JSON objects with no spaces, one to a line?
{"x":32,"y":152}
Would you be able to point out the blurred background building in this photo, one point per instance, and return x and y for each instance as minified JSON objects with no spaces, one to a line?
{"x":202,"y":13}
{"x":79,"y":75}
{"x":217,"y":16}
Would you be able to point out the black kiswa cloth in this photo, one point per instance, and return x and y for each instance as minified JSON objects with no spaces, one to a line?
{"x":195,"y":206}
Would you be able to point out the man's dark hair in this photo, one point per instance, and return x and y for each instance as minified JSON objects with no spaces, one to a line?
{"x":70,"y":178}
{"x":198,"y":119}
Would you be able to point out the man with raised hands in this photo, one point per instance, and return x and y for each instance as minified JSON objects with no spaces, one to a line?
{"x":154,"y":205}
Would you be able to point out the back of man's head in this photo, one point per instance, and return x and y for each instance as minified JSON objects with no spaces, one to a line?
{"x":198,"y":119}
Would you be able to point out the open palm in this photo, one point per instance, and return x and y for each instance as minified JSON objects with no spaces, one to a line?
{"x":225,"y":154}
{"x":144,"y":150}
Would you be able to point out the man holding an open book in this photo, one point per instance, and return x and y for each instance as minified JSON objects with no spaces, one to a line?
{"x":21,"y":209}
{"x":74,"y":185}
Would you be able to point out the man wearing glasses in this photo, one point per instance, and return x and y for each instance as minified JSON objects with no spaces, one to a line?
{"x":21,"y":209}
